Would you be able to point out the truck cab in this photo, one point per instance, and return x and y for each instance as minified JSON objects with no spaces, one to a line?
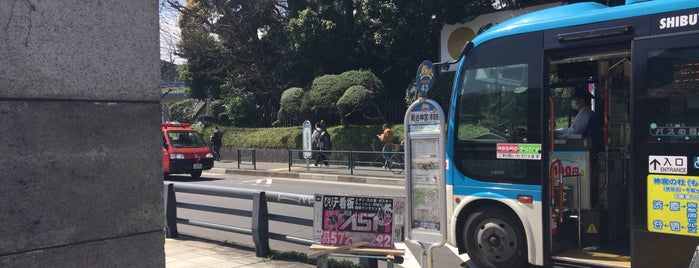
{"x":185,"y":150}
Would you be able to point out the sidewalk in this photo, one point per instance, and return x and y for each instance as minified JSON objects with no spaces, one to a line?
{"x":190,"y":252}
{"x":370,"y":175}
{"x":186,"y":251}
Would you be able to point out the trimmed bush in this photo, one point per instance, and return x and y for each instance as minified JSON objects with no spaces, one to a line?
{"x":290,"y":106}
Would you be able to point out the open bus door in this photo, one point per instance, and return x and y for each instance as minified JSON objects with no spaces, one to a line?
{"x":635,"y":202}
{"x":665,"y":145}
{"x":588,"y":174}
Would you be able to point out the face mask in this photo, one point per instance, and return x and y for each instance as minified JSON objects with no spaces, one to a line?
{"x":574,"y":105}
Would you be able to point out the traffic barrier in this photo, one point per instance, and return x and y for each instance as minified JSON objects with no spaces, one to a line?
{"x":249,"y":159}
{"x":259,"y":213}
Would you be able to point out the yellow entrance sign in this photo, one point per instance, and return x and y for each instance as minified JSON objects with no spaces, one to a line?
{"x":591,"y":229}
{"x":673,"y":202}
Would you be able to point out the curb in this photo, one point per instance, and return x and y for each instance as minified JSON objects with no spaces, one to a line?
{"x":311,"y":176}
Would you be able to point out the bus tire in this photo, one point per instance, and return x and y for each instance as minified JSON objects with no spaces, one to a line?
{"x":494,"y":238}
{"x":195,"y":174}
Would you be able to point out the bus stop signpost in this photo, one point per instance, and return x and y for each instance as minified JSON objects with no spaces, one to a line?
{"x":425,"y":183}
{"x":307,"y":153}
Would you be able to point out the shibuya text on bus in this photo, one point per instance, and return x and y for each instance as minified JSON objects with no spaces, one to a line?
{"x":573,"y":138}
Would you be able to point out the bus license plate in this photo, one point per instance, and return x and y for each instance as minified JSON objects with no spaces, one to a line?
{"x":197,"y":166}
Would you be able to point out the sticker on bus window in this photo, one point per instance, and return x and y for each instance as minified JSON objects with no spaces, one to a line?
{"x":523,"y":151}
{"x":673,"y":204}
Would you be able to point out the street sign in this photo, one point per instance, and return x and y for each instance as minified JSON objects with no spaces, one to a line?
{"x":666,"y":164}
{"x":307,"y":139}
{"x":425,"y":76}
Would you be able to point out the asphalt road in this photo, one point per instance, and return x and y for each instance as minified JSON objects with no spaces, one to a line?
{"x":442,"y":257}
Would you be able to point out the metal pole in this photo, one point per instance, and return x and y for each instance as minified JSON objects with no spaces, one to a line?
{"x":260,"y":225}
{"x":170,"y":211}
{"x":254,"y":159}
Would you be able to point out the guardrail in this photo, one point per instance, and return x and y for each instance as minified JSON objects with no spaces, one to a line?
{"x":259,"y":213}
{"x":249,"y":159}
{"x":350,"y":160}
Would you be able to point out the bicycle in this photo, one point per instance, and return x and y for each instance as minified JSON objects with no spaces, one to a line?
{"x":396,"y":163}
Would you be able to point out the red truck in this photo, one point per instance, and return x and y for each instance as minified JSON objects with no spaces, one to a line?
{"x":184,"y":150}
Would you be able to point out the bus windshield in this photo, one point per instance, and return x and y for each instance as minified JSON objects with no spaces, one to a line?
{"x":493,"y":104}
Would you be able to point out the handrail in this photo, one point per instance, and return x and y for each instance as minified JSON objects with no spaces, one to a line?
{"x":259,"y":213}
{"x":556,"y":168}
{"x":353,"y":162}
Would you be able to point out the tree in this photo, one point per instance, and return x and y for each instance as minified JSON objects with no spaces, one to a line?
{"x":262,"y":47}
{"x":231,"y":41}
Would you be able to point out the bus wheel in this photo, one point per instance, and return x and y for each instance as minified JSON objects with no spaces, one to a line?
{"x":195,"y":174}
{"x":494,"y":238}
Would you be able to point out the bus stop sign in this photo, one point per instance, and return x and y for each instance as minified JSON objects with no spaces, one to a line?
{"x":306,"y":138}
{"x":425,"y":76}
{"x":425,"y":183}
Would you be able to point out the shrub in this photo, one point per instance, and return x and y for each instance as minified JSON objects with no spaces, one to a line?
{"x":357,"y":106}
{"x":327,"y":90}
{"x":290,"y":107}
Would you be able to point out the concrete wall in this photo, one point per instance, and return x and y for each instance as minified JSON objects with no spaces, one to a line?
{"x":81,"y":181}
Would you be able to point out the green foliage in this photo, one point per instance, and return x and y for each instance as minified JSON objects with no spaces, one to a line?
{"x":327,"y":90}
{"x":291,"y":106}
{"x":241,"y":108}
{"x":357,"y":106}
{"x":182,"y":111}
{"x":222,"y":39}
{"x":217,"y":112}
{"x":352,"y":137}
{"x":264,"y":47}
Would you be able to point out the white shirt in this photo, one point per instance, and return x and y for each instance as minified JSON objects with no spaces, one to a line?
{"x":579,"y":123}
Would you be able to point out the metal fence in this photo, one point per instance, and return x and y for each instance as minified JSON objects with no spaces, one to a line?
{"x":261,"y":217}
{"x":350,"y":160}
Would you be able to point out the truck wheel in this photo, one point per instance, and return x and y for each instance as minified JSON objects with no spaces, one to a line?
{"x":195,"y":174}
{"x":494,"y":238}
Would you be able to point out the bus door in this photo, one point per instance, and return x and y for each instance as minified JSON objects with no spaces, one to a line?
{"x":589,"y":131}
{"x":665,"y":150}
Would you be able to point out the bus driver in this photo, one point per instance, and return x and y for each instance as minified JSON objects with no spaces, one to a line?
{"x":581,"y":102}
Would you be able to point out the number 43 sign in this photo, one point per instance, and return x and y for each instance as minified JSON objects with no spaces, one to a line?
{"x":425,"y":76}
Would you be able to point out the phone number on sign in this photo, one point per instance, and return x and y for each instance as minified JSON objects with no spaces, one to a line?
{"x":336,"y":238}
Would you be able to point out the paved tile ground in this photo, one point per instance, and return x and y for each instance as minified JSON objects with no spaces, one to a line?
{"x":189,"y":252}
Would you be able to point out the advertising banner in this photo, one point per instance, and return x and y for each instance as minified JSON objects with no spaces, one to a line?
{"x":343,"y":220}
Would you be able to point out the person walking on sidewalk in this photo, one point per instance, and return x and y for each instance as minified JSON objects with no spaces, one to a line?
{"x":387,"y":139}
{"x":216,"y":141}
{"x":321,"y":138}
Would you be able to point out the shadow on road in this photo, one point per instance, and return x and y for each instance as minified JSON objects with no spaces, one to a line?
{"x":187,"y":178}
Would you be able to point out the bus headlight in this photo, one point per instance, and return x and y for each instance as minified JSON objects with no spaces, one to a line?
{"x":209,"y":155}
{"x":176,"y":156}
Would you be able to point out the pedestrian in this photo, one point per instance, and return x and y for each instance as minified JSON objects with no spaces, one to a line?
{"x":387,"y":139}
{"x":322,"y":143}
{"x":216,"y":141}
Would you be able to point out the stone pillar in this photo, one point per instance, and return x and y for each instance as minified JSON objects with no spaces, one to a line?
{"x":80,"y":165}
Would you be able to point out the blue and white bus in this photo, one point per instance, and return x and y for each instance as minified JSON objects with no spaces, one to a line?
{"x":624,"y":192}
